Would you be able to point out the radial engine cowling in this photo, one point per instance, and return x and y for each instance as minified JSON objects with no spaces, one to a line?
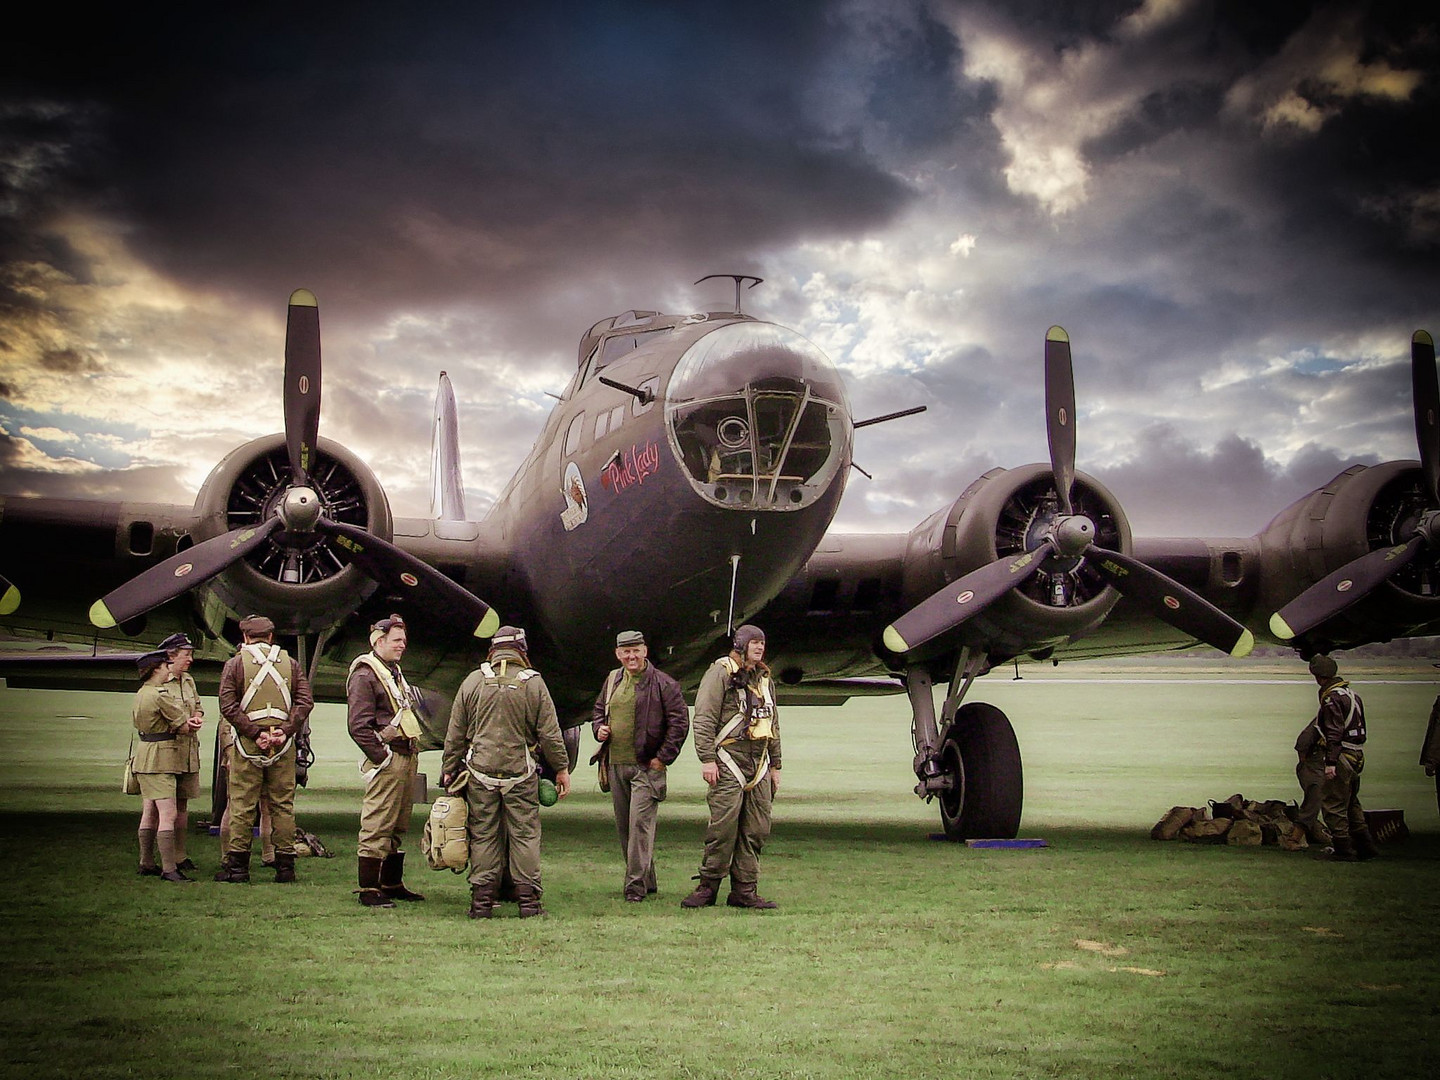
{"x":1361,"y":510}
{"x":1002,"y":513}
{"x":304,"y":583}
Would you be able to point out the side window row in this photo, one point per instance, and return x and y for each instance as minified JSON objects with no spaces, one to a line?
{"x":610,"y":420}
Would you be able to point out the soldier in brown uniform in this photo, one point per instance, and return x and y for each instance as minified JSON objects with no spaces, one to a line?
{"x":737,"y":737}
{"x":1430,"y":751}
{"x":644,"y":710}
{"x":382,"y":724}
{"x":265,"y":696}
{"x":160,"y":761}
{"x":1341,"y":723}
{"x":182,"y":653}
{"x":502,"y":715}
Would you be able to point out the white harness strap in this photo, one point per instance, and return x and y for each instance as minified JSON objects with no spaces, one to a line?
{"x":502,"y":784}
{"x":266,"y":659}
{"x":257,"y":759}
{"x":725,"y":734}
{"x":369,"y":774}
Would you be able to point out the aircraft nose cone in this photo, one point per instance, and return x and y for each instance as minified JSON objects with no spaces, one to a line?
{"x":758,"y":418}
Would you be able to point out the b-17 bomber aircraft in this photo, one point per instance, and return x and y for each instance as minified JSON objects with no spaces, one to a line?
{"x":685,"y":483}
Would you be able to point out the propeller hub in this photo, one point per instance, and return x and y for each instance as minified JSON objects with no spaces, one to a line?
{"x":1428,"y":526}
{"x":300,"y":509}
{"x":1072,"y":534}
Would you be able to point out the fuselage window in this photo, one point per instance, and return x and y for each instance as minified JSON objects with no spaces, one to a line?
{"x":572,"y":434}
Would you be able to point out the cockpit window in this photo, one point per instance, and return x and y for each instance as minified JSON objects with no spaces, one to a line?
{"x":758,"y":417}
{"x":617,"y":345}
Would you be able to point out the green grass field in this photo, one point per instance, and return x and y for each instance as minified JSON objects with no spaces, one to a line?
{"x":1105,"y":955}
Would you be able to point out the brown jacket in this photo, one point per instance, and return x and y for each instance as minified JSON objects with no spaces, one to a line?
{"x":369,"y":712}
{"x":661,"y":719}
{"x":232,"y":691}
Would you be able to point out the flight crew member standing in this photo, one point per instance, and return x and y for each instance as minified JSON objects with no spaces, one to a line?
{"x":160,"y":760}
{"x":1430,"y":751}
{"x":737,"y":737}
{"x":1341,"y":723}
{"x":502,"y":714}
{"x":181,"y":652}
{"x":265,"y":696}
{"x":1310,"y":771}
{"x":383,"y":725}
{"x":641,"y":713}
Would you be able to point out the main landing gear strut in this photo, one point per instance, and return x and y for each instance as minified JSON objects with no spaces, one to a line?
{"x":969,"y":761}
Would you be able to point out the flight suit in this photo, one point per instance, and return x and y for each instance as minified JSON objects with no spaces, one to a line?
{"x":502,"y":715}
{"x":375,"y":693}
{"x":740,"y":799}
{"x":1341,"y":722}
{"x":262,"y":687}
{"x":1310,"y":771}
{"x":1430,"y":750}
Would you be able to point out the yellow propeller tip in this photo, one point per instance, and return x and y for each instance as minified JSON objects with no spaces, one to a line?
{"x":1422,"y":337}
{"x":489,"y":624}
{"x":1280,"y":628}
{"x":894,"y":642}
{"x":100,"y":615}
{"x":1244,"y":645}
{"x":303,"y":298}
{"x":1056,"y":333}
{"x":10,"y":601}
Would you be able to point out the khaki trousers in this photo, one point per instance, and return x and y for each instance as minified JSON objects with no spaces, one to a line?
{"x":504,"y":829}
{"x":1310,"y":771}
{"x":247,"y":782}
{"x":739,"y":821}
{"x":1340,"y":797}
{"x":385,"y":809}
{"x":637,"y":792}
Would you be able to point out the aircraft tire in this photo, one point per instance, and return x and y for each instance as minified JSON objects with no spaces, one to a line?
{"x":983,"y":755}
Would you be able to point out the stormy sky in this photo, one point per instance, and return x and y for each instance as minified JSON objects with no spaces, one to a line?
{"x":1234,"y":208}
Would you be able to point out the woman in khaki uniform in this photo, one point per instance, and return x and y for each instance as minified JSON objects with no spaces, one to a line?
{"x":162,"y":757}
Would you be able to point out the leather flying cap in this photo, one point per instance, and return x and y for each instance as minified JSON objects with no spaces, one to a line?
{"x":256,"y":624}
{"x":629,"y":637}
{"x":745,"y":635}
{"x":148,"y":662}
{"x":513,"y":636}
{"x":1323,"y":667}
{"x":176,"y":641}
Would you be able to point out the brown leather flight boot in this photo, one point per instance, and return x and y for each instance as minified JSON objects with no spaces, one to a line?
{"x":704,"y":894}
{"x":284,"y":868}
{"x":529,"y":898}
{"x":392,"y":878}
{"x":482,"y":901}
{"x":234,"y":868}
{"x":1365,"y":846}
{"x":743,"y":895}
{"x":370,"y":894}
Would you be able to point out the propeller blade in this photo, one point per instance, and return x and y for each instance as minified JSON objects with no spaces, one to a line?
{"x":178,"y":574}
{"x":1171,"y":602}
{"x":9,"y":597}
{"x":416,"y":580}
{"x":1335,"y":592}
{"x":1060,"y":412}
{"x":1426,"y":389}
{"x":961,"y":599}
{"x":302,"y":382}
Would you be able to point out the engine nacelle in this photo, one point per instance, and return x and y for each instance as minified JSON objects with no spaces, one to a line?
{"x":1003,"y":513}
{"x":1361,"y":510}
{"x":303,"y":587}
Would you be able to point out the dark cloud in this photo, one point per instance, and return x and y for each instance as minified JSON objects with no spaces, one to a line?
{"x":20,"y":476}
{"x":1170,"y":486}
{"x":418,"y":156}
